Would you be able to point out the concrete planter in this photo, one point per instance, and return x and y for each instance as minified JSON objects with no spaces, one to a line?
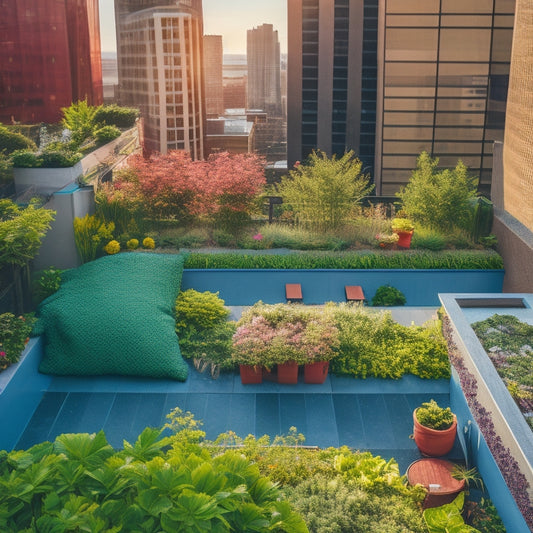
{"x":45,"y":181}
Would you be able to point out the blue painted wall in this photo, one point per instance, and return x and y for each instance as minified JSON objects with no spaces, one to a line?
{"x":421,"y":287}
{"x":22,"y":388}
{"x":479,"y":455}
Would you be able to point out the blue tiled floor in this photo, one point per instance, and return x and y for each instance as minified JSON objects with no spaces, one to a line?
{"x":370,"y":414}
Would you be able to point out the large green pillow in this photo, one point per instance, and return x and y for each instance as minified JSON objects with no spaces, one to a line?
{"x":115,"y":315}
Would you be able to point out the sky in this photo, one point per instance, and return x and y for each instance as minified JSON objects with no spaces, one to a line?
{"x":229,"y":18}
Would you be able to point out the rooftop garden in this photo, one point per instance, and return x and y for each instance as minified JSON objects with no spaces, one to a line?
{"x":220,"y":202}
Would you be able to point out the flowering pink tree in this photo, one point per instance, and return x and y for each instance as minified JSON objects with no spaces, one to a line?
{"x":223,"y":188}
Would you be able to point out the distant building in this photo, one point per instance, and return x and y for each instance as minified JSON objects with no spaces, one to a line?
{"x":263,"y":58}
{"x":234,"y":134}
{"x":50,"y":57}
{"x":331,"y":78}
{"x":110,"y":77}
{"x":214,"y":89}
{"x":235,"y":91}
{"x":390,"y":78}
{"x":160,"y":67}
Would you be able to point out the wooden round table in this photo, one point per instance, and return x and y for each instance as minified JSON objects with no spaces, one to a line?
{"x":436,"y":476}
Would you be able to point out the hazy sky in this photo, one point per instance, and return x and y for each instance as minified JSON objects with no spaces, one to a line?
{"x":229,"y":18}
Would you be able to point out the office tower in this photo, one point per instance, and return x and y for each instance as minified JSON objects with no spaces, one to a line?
{"x":50,"y":58}
{"x":390,"y":78}
{"x":331,"y":78}
{"x":160,"y":68}
{"x":442,"y":85}
{"x":263,"y":57}
{"x":214,"y":89}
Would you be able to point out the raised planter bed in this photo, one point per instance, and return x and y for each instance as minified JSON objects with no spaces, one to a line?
{"x":510,"y":437}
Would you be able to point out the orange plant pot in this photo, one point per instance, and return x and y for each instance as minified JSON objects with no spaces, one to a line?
{"x":404,"y":238}
{"x":288,"y":373}
{"x":434,"y":442}
{"x":316,"y":372}
{"x":251,"y":374}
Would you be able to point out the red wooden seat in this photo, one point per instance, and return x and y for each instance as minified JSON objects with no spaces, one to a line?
{"x":293,"y":292}
{"x":354,"y":293}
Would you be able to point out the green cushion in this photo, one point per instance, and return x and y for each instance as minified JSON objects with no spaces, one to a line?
{"x":115,"y":315}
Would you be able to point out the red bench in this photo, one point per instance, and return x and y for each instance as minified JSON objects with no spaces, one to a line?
{"x":293,"y":292}
{"x":354,"y":293}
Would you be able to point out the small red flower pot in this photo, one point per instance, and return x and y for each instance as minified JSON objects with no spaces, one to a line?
{"x":404,"y":238}
{"x":251,"y":374}
{"x":316,"y":372}
{"x":288,"y":373}
{"x":434,"y":442}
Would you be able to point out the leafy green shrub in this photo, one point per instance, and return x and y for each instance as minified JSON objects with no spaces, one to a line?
{"x":337,"y":506}
{"x":79,"y":118}
{"x":14,"y":333}
{"x":472,"y":259}
{"x":21,"y":231}
{"x":210,"y":348}
{"x":322,"y":191}
{"x":11,"y":141}
{"x":25,"y":159}
{"x":373,"y":344}
{"x":388,"y":296}
{"x":432,"y":416}
{"x":45,"y":283}
{"x":114,"y":115}
{"x":282,"y":236}
{"x":439,"y":199}
{"x":59,"y":158}
{"x":79,"y":483}
{"x":490,"y":241}
{"x":106,"y":134}
{"x":199,"y":311}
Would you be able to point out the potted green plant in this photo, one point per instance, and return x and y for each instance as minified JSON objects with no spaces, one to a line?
{"x":387,"y":240}
{"x":404,"y":228}
{"x":434,"y":429}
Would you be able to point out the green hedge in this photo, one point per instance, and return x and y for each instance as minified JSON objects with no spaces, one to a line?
{"x":456,"y":259}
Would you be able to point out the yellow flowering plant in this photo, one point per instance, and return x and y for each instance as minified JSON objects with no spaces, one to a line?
{"x":112,"y":247}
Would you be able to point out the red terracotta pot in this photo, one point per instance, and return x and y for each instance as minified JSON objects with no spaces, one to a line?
{"x":434,"y":442}
{"x":316,"y":372}
{"x":288,"y":373}
{"x":404,"y":238}
{"x":251,"y":374}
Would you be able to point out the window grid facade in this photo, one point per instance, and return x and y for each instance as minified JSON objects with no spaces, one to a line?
{"x":445,"y":69}
{"x":160,"y":71}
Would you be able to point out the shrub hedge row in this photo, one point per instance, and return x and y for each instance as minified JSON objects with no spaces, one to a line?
{"x":456,"y":259}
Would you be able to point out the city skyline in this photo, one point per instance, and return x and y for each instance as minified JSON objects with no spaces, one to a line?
{"x":218,"y":20}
